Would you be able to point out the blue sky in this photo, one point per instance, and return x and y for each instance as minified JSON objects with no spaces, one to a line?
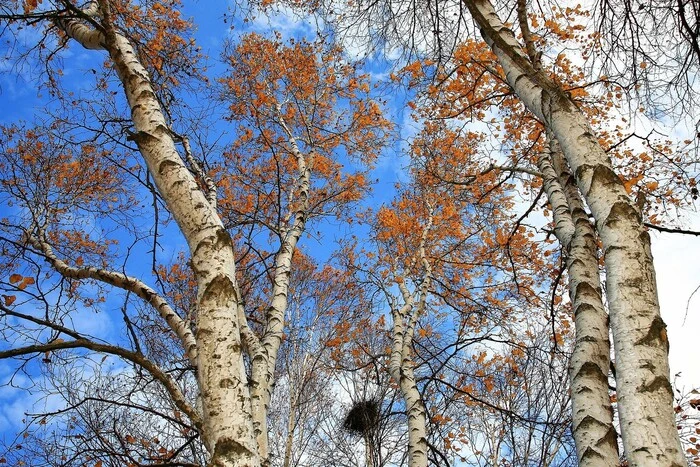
{"x":678,"y":276}
{"x":21,"y":100}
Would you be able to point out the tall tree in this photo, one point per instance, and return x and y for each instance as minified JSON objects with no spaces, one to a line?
{"x":641,"y":346}
{"x":456,"y":284}
{"x":477,"y":90}
{"x":296,"y":113}
{"x":284,"y":101}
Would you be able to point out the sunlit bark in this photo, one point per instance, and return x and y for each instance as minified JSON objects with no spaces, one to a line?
{"x":401,"y":364}
{"x":594,"y":433}
{"x":227,"y":422}
{"x":641,"y":347}
{"x":264,"y":355}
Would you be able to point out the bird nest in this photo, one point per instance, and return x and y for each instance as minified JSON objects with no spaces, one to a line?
{"x":363,"y":417}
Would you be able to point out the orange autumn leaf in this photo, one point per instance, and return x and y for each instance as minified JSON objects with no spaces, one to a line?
{"x":31,"y":5}
{"x":25,"y":282}
{"x":631,"y":182}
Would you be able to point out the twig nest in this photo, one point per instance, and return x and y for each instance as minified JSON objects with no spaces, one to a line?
{"x":363,"y":417}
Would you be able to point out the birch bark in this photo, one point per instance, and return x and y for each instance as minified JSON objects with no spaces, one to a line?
{"x":645,"y":398}
{"x":401,"y":368}
{"x":405,"y":319}
{"x":593,"y":430}
{"x":265,"y":350}
{"x":227,"y":428}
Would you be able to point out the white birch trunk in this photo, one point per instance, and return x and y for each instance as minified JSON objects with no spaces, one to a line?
{"x":564,"y":227}
{"x":405,"y":319}
{"x":401,"y":368}
{"x":592,"y":417}
{"x":645,"y":398}
{"x":227,"y":423}
{"x":264,"y":357}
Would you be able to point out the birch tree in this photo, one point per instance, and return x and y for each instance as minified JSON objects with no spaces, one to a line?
{"x":307,"y":404}
{"x":289,"y":130}
{"x":475,"y":91}
{"x":592,"y":412}
{"x":292,"y":114}
{"x":405,"y":313}
{"x":644,"y":391}
{"x":454,"y":290}
{"x":641,"y":346}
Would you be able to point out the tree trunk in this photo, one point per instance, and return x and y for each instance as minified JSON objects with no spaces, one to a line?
{"x":400,"y":363}
{"x":260,"y":395}
{"x":645,"y":398}
{"x":402,"y":372}
{"x":417,"y":419}
{"x":227,"y":429}
{"x":593,"y":430}
{"x":264,"y":351}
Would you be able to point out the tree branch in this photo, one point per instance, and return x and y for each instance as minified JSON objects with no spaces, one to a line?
{"x":672,"y":230}
{"x":133,"y":357}
{"x":179,"y":326}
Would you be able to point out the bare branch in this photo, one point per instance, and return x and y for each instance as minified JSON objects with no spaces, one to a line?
{"x":133,"y":357}
{"x":179,"y":326}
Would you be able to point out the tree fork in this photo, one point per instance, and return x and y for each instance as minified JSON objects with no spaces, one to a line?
{"x":645,"y":399}
{"x":227,"y":427}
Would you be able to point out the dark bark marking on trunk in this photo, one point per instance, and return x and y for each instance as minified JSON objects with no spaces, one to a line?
{"x":219,"y":289}
{"x":656,"y":333}
{"x":591,"y":369}
{"x":658,"y":383}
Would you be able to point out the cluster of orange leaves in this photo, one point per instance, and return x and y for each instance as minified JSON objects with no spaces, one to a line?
{"x":285,"y":97}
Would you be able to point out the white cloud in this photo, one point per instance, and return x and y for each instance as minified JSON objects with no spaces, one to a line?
{"x":678,"y":276}
{"x":16,"y":401}
{"x":286,"y":21}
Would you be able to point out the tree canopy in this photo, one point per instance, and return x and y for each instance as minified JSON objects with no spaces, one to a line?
{"x":343,"y":233}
